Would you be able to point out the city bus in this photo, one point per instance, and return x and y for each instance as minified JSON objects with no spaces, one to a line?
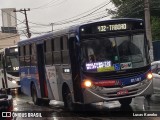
{"x":89,"y":63}
{"x":9,"y":68}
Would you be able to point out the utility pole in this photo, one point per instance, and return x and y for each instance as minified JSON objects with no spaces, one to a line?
{"x":148,"y":27}
{"x":25,"y":13}
{"x":52,"y":25}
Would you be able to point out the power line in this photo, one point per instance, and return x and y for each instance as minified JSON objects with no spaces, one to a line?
{"x":72,"y":17}
{"x":51,"y":5}
{"x":68,"y":20}
{"x":12,"y":16}
{"x":46,"y":4}
{"x":24,"y":10}
{"x":91,"y":12}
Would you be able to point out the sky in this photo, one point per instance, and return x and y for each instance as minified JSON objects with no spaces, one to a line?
{"x":61,"y":13}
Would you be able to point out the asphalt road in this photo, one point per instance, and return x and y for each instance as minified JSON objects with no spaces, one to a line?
{"x":99,"y":111}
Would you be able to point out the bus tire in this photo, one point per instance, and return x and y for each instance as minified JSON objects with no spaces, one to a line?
{"x":35,"y":99}
{"x":46,"y":102}
{"x":68,"y":102}
{"x":147,"y":96}
{"x":125,"y":101}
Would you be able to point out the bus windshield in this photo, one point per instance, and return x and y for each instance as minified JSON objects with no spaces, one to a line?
{"x":12,"y":64}
{"x":113,"y":53}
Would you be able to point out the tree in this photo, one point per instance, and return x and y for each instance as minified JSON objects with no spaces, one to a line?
{"x":135,"y":9}
{"x":155,"y":28}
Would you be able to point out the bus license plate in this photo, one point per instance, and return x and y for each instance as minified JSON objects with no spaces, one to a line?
{"x":122,"y":92}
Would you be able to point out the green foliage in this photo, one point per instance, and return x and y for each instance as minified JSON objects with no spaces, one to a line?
{"x":135,"y":9}
{"x":155,"y":28}
{"x":129,"y":8}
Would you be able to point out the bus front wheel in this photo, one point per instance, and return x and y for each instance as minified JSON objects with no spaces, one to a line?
{"x":34,"y":95}
{"x":125,"y":101}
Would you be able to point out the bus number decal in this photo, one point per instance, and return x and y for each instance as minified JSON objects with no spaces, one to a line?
{"x":136,"y":79}
{"x":102,"y":28}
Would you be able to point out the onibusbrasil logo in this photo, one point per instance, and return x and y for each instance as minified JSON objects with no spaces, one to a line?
{"x":21,"y":114}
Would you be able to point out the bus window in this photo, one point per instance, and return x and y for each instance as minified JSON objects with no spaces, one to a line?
{"x":33,"y":55}
{"x":99,"y":49}
{"x":57,"y":51}
{"x":129,"y":49}
{"x":65,"y":52}
{"x":22,"y":63}
{"x":12,"y":63}
{"x":48,"y":52}
{"x":27,"y":55}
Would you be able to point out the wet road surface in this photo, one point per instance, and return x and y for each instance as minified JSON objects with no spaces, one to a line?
{"x":100,"y":111}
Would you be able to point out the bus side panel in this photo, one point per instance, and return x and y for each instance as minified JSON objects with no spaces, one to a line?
{"x":35,"y":79}
{"x":50,"y":80}
{"x":64,"y":77}
{"x":56,"y":76}
{"x":28,"y":76}
{"x":24,"y":81}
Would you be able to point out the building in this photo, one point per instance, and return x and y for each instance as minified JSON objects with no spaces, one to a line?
{"x":8,"y":34}
{"x":8,"y":39}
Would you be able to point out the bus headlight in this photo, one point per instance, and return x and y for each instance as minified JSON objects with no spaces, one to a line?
{"x":13,"y":81}
{"x":87,"y":83}
{"x":149,"y":76}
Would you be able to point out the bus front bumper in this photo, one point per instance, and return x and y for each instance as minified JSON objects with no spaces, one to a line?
{"x":99,"y":94}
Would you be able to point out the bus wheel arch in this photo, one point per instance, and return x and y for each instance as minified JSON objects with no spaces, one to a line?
{"x":67,"y":98}
{"x":34,"y":95}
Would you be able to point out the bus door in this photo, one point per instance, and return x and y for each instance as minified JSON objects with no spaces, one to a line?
{"x":41,"y":70}
{"x":74,"y":50}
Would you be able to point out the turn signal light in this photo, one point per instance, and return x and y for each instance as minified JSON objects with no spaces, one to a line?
{"x":87,"y":83}
{"x":149,"y":76}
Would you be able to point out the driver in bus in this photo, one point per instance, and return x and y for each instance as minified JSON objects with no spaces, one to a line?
{"x":91,"y":55}
{"x":106,"y":50}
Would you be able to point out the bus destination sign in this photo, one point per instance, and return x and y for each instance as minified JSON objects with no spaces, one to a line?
{"x":104,"y":28}
{"x":109,"y":27}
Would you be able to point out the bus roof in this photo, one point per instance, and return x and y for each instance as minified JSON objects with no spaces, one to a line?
{"x":49,"y":35}
{"x":71,"y":29}
{"x":115,"y":20}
